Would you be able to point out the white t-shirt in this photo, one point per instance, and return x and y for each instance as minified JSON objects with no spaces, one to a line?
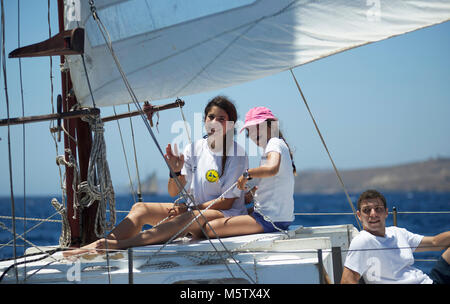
{"x":202,"y":168}
{"x":275,"y":194}
{"x":388,"y":259}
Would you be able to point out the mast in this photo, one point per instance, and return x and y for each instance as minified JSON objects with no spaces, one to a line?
{"x":82,"y":222}
{"x":82,"y":227}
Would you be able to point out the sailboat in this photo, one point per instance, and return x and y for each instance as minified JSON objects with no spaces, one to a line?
{"x":127,"y":52}
{"x":151,"y":184}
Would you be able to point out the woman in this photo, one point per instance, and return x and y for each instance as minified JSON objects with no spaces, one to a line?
{"x":275,"y":190}
{"x":208,"y":167}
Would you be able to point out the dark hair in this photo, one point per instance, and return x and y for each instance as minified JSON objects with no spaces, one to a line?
{"x":371,"y":194}
{"x":280,"y":135}
{"x":225,"y":104}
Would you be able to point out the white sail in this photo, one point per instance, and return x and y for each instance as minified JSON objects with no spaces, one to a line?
{"x":171,"y":48}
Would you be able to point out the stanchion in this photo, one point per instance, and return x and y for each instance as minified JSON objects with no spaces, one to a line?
{"x":130,"y":265}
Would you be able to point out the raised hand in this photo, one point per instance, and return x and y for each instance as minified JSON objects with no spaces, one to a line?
{"x":175,"y":162}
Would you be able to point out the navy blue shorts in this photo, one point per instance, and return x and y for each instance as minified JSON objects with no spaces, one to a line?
{"x":440,"y":274}
{"x":267,"y":226}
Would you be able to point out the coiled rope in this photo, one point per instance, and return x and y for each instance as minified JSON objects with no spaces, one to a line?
{"x":98,"y":186}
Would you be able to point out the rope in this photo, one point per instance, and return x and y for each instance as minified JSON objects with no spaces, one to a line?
{"x":184,"y":120}
{"x":134,"y":99}
{"x":328,"y":152}
{"x":30,"y":219}
{"x":65,"y":238}
{"x":31,"y":229}
{"x":108,"y":42}
{"x":18,"y":218}
{"x":71,"y":163}
{"x":257,"y":207}
{"x":195,"y":219}
{"x":350,"y":213}
{"x":3,"y":226}
{"x":48,"y":253}
{"x":98,"y":186}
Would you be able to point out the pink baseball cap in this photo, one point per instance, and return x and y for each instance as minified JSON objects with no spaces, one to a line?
{"x":257,"y":115}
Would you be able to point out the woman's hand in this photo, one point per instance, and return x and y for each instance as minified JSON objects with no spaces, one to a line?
{"x":250,"y":194}
{"x":175,"y":162}
{"x":177,"y":209}
{"x":241,"y":182}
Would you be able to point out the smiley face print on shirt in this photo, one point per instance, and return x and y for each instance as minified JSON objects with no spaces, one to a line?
{"x":212,"y":176}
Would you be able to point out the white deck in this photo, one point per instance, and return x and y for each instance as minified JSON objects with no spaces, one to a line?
{"x":259,"y":258}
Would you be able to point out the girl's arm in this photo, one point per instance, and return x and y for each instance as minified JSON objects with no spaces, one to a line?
{"x":221,"y":204}
{"x":270,"y":168}
{"x":172,"y":187}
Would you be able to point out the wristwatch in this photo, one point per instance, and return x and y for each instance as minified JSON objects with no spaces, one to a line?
{"x":176,"y":173}
{"x":246,"y":175}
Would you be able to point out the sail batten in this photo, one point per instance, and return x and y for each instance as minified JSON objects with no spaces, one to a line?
{"x":194,"y":54}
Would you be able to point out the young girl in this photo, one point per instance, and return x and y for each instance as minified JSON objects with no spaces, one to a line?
{"x":276,"y":186}
{"x":208,"y":168}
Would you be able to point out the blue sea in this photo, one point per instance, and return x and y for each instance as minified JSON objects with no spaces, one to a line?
{"x":425,"y":224}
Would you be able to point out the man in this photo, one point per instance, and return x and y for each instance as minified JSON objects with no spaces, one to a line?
{"x":384,"y":255}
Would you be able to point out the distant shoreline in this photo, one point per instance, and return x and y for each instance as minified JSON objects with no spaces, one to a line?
{"x":430,"y":175}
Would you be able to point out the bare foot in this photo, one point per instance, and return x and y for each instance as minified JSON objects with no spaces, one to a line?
{"x":74,"y":253}
{"x":97,"y":247}
{"x":100,"y":246}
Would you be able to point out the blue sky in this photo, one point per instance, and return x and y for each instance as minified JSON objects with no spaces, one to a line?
{"x":377,"y":105}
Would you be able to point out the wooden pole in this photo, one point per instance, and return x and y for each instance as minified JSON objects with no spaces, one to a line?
{"x":66,"y":83}
{"x":176,"y":104}
{"x":40,"y":118}
{"x":82,"y":228}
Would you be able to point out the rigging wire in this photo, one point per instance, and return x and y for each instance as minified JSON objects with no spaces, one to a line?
{"x":139,"y":192}
{"x":30,"y":229}
{"x":23,"y":132}
{"x":48,"y":253}
{"x":133,"y":193}
{"x":98,"y":124}
{"x":51,"y":77}
{"x":183,"y":192}
{"x":13,"y":208}
{"x":326,"y":148}
{"x":186,"y":127}
{"x":3,"y":226}
{"x":241,"y":249}
{"x":200,"y":213}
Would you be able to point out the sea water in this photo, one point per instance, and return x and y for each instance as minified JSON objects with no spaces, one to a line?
{"x":42,"y":234}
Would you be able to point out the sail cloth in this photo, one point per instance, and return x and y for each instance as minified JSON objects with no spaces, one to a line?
{"x":171,"y":48}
